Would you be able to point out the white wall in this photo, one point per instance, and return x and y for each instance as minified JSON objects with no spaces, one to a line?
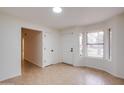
{"x":10,"y":37}
{"x":118,"y":46}
{"x":115,"y":66}
{"x":10,"y":45}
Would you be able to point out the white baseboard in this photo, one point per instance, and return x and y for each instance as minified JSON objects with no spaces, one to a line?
{"x":9,"y":77}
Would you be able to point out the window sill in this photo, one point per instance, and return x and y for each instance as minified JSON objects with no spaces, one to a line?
{"x":94,"y":57}
{"x":108,"y":60}
{"x":97,"y":58}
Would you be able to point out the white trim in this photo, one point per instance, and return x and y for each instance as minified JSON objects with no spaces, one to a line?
{"x":105,"y":46}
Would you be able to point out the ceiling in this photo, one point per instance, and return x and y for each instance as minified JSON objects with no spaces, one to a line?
{"x":71,"y":16}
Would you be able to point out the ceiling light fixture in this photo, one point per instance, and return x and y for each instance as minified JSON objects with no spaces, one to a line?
{"x":57,"y":9}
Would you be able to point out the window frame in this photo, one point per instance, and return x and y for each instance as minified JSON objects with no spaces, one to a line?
{"x":81,"y":43}
{"x":107,"y":44}
{"x":86,"y":44}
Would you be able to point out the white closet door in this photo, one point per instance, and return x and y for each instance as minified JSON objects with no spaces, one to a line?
{"x":68,"y":49}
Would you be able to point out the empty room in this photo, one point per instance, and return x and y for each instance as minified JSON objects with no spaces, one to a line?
{"x":62,"y":46}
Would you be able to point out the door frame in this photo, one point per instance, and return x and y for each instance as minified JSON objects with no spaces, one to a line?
{"x":25,"y":28}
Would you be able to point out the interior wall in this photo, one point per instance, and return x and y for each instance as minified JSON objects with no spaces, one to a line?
{"x":32,"y":46}
{"x":10,"y":54}
{"x":118,"y":46}
{"x":115,"y":66}
{"x":10,"y":48}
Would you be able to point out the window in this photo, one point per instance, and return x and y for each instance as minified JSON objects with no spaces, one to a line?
{"x":81,"y":44}
{"x":95,"y":44}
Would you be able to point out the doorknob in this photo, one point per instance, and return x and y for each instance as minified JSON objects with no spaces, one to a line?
{"x":71,"y":49}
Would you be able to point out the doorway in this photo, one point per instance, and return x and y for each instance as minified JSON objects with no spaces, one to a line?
{"x":31,"y":47}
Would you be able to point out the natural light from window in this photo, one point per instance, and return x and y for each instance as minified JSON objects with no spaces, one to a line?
{"x":95,"y":44}
{"x":81,"y":44}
